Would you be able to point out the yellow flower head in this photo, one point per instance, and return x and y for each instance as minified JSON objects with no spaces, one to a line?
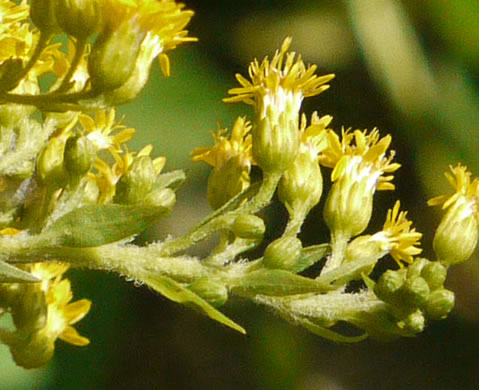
{"x":401,"y":239}
{"x":457,"y":235}
{"x":163,"y":22}
{"x":107,"y":177}
{"x":62,"y":314}
{"x":467,"y":191}
{"x":365,"y":159}
{"x":313,"y":138}
{"x":231,"y":158}
{"x":99,"y":131}
{"x":277,"y":83}
{"x":225,"y":148}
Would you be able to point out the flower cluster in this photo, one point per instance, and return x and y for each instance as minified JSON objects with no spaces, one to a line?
{"x":72,"y":193}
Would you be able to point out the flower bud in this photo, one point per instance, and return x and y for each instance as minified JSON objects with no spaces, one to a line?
{"x":389,"y":284}
{"x":283,"y":253}
{"x":301,"y":185}
{"x":42,"y":13}
{"x":415,"y":292}
{"x":50,"y":164}
{"x":79,"y":18}
{"x":137,"y":183}
{"x":80,"y":153}
{"x":440,"y":303}
{"x":113,"y":57}
{"x":248,"y":226}
{"x":348,"y":206}
{"x":275,"y":143}
{"x":415,"y":322}
{"x":434,"y":274}
{"x":457,"y":234}
{"x":211,"y":291}
{"x":10,"y":70}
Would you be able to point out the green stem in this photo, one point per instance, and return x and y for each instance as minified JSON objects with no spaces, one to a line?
{"x":206,"y":229}
{"x":339,"y":243}
{"x":265,"y":193}
{"x":296,"y":220}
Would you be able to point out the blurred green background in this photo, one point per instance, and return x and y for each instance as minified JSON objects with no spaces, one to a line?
{"x":411,"y":69}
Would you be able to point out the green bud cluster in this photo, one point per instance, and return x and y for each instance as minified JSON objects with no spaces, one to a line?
{"x":415,"y":292}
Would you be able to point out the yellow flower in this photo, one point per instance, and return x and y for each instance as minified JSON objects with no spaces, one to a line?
{"x":163,"y":21}
{"x":279,"y":84}
{"x":61,"y":314}
{"x":466,"y":190}
{"x":238,"y":145}
{"x":457,"y":235}
{"x":401,"y":239}
{"x":99,"y":130}
{"x":357,"y":173}
{"x":365,"y":159}
{"x":107,"y":177}
{"x":313,"y":138}
{"x":231,"y":158}
{"x":276,"y":90}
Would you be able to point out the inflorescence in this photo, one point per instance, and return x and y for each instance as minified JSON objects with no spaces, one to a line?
{"x":73,"y":195}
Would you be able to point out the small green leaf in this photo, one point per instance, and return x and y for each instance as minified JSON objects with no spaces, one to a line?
{"x":276,"y":282}
{"x":177,"y":293}
{"x":311,"y":255}
{"x":96,"y":225}
{"x":330,"y":334}
{"x":11,"y":274}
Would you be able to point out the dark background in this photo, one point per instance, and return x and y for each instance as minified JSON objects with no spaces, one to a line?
{"x":409,"y":68}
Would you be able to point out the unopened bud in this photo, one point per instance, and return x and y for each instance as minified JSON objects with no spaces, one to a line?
{"x":248,"y":226}
{"x":434,"y":274}
{"x":389,"y":284}
{"x":301,"y":185}
{"x":80,"y":153}
{"x":50,"y":163}
{"x":284,"y":253}
{"x":415,"y":292}
{"x":79,"y":18}
{"x":440,"y":303}
{"x":211,"y":291}
{"x":415,"y":322}
{"x":349,"y":206}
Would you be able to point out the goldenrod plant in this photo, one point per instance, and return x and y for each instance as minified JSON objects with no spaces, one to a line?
{"x":73,"y":195}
